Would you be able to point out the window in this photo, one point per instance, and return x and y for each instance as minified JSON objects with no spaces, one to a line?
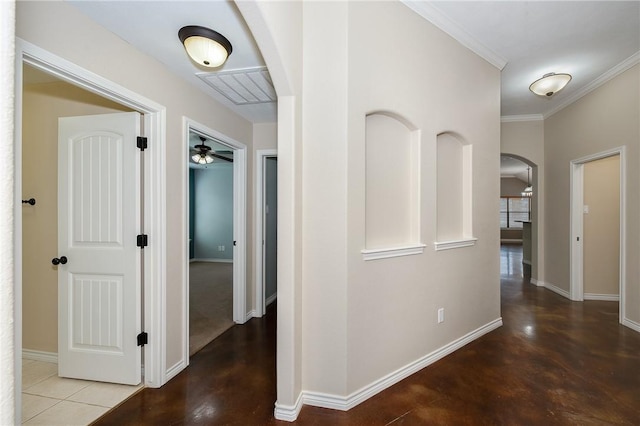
{"x":514,"y":210}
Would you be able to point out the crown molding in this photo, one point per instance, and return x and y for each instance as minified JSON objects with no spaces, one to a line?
{"x":434,"y":15}
{"x":608,"y":75}
{"x":524,"y":117}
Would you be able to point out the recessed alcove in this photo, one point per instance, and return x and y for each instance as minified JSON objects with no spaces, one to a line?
{"x":454,"y":192}
{"x":392,"y":211}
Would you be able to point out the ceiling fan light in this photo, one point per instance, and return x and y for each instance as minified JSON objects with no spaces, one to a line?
{"x":205,"y":46}
{"x":195,"y":157}
{"x":550,"y":84}
{"x":208,"y":159}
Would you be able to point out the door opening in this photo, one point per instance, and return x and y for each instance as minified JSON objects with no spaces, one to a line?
{"x":266,"y":225}
{"x":598,"y":228}
{"x":51,"y":65}
{"x":227,"y":240}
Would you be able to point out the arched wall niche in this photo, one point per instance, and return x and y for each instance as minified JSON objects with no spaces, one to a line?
{"x":392,"y":186}
{"x":454,"y":189}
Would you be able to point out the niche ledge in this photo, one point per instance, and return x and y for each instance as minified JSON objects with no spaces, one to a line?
{"x":448,"y":245}
{"x":385,"y":253}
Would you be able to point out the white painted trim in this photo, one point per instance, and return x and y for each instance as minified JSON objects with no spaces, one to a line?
{"x":523,"y":117}
{"x":288,"y":413}
{"x":432,"y":14}
{"x":536,"y":282}
{"x":271,"y":299}
{"x":40,"y":356}
{"x":176,"y":368}
{"x":576,"y":229}
{"x":338,"y":402}
{"x":386,"y":253}
{"x":155,"y":192}
{"x":576,"y":226}
{"x":557,"y":290}
{"x":211,"y":260}
{"x":259,"y":170}
{"x":251,"y":314}
{"x":631,"y":324}
{"x":448,"y":245}
{"x":603,"y":297}
{"x":602,"y":79}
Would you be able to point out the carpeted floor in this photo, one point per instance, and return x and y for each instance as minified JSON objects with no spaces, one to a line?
{"x":210,"y":302}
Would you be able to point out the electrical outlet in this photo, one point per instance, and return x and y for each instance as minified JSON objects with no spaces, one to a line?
{"x":440,"y":315}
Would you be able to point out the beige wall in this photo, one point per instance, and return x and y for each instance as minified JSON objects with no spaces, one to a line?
{"x":601,"y":226}
{"x":511,"y":187}
{"x":60,"y":29}
{"x":364,"y":320}
{"x":525,"y":139}
{"x":604,"y":119}
{"x":42,"y":105}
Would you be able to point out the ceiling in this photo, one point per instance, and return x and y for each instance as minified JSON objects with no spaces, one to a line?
{"x":587,"y":39}
{"x":512,"y":167}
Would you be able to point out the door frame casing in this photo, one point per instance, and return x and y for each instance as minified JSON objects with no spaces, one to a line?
{"x":576,"y":188}
{"x":240,"y":315}
{"x":260,"y":168}
{"x":154,"y":354}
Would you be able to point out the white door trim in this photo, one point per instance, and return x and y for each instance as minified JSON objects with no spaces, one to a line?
{"x":240,"y":315}
{"x":154,"y":200}
{"x":576,"y":285}
{"x":261,"y":156}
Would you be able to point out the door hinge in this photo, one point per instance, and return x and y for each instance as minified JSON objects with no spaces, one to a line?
{"x":142,"y":240}
{"x":143,"y":338}
{"x":142,"y":143}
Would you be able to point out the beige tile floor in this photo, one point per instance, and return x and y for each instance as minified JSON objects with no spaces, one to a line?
{"x":50,"y":400}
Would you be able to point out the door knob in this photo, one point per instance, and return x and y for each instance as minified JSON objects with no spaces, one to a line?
{"x":59,"y":261}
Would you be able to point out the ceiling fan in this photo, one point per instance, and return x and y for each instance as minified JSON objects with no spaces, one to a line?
{"x":202,"y":154}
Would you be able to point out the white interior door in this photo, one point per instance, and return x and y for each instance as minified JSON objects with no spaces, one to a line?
{"x":99,"y":286}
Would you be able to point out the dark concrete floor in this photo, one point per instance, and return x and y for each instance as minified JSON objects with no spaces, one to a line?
{"x":553,"y":362}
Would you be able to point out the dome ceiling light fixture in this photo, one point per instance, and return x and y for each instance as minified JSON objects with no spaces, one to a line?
{"x":205,"y":46}
{"x":550,"y":84}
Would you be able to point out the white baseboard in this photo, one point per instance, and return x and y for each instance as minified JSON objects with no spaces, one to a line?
{"x":536,"y":282}
{"x":251,"y":314}
{"x":288,"y":413}
{"x":631,"y":324}
{"x":212,"y":260}
{"x":558,"y":290}
{"x":271,"y":299}
{"x":40,"y":356}
{"x":337,"y":402}
{"x":553,"y":288}
{"x":605,"y":297}
{"x":174,"y":370}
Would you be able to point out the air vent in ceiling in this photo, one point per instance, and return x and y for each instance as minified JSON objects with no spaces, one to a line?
{"x":242,"y":87}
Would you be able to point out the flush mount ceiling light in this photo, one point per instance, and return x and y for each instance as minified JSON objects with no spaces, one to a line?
{"x":550,"y":84}
{"x":205,"y":46}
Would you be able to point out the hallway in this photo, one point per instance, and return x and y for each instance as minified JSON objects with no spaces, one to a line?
{"x":553,"y":362}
